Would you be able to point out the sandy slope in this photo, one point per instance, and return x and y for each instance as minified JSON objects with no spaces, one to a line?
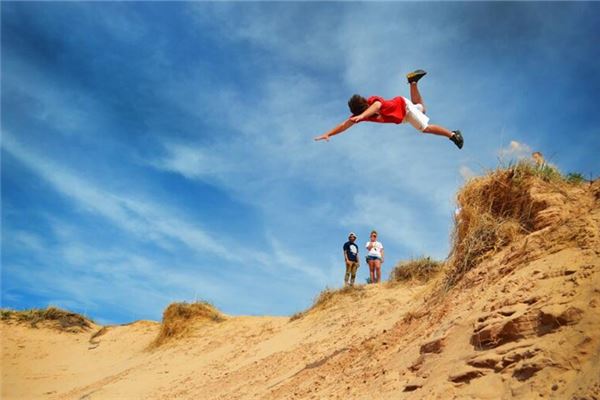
{"x":234,"y":358}
{"x":523,"y":324}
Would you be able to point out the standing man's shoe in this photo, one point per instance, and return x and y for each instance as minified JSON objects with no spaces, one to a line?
{"x":415,"y":75}
{"x":457,"y":139}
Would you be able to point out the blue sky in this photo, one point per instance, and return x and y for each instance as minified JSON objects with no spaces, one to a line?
{"x":160,"y":152}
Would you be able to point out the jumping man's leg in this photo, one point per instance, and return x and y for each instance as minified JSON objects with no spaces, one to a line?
{"x":415,"y":95}
{"x":438,"y":130}
{"x":416,"y":112}
{"x":454,"y":136}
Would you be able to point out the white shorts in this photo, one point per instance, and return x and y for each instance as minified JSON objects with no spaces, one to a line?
{"x":415,"y":116}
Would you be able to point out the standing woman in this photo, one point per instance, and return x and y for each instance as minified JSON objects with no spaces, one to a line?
{"x":374,"y":257}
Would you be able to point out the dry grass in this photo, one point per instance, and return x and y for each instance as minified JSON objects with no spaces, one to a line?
{"x":495,"y":210}
{"x":329,"y":297}
{"x":179,"y":318}
{"x":418,"y":269}
{"x":51,"y":316}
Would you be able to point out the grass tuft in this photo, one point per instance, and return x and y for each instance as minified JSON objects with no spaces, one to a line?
{"x":178,"y":320}
{"x":418,"y":269}
{"x":54,"y":317}
{"x":575,"y":178}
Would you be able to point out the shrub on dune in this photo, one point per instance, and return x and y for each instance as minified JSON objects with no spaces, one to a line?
{"x":418,"y":269}
{"x":179,"y":318}
{"x":493,"y":211}
{"x":52,"y":316}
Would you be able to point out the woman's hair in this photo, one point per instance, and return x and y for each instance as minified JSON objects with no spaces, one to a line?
{"x":357,"y":104}
{"x":374,"y":232}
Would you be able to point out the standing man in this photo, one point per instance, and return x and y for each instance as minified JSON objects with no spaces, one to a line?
{"x":351,"y":257}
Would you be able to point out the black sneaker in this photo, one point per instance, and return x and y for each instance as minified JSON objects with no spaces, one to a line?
{"x":415,"y":75}
{"x":457,"y":139}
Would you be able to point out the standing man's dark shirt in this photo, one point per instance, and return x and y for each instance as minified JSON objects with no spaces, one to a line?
{"x":351,"y":250}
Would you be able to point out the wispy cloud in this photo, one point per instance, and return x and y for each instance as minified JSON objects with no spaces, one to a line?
{"x":140,"y":217}
{"x":291,"y":260}
{"x":193,"y":161}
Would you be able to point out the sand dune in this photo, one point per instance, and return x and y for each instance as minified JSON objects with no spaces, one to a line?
{"x":523,"y":323}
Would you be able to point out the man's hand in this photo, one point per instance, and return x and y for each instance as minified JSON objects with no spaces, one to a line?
{"x":338,"y":129}
{"x":357,"y":118}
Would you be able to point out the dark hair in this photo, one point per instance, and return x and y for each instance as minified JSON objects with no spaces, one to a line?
{"x":357,"y":104}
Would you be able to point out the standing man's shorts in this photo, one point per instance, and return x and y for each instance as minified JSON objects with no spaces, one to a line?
{"x":415,"y":116}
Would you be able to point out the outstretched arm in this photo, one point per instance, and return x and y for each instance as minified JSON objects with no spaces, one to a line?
{"x":338,"y":129}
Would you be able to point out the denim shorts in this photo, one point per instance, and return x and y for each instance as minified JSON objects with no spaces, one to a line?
{"x":370,"y":258}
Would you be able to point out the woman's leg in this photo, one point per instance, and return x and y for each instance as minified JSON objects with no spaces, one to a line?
{"x":377,"y":268}
{"x":372,"y":270}
{"x":415,"y":95}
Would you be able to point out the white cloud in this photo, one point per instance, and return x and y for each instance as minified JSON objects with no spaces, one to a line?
{"x":192,"y":162}
{"x":515,"y":150}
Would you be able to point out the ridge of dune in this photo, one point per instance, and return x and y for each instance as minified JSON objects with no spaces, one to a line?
{"x":521,"y":322}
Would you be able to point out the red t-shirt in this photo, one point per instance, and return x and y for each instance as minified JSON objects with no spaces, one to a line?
{"x":391,"y":111}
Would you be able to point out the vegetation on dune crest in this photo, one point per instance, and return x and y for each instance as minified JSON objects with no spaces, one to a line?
{"x":494,"y":210}
{"x":418,"y":269}
{"x":178,"y":319}
{"x":55,"y":317}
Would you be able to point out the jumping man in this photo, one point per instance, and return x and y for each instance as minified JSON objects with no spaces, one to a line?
{"x":397,"y":110}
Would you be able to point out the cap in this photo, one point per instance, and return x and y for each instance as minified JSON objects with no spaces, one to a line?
{"x":351,"y":234}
